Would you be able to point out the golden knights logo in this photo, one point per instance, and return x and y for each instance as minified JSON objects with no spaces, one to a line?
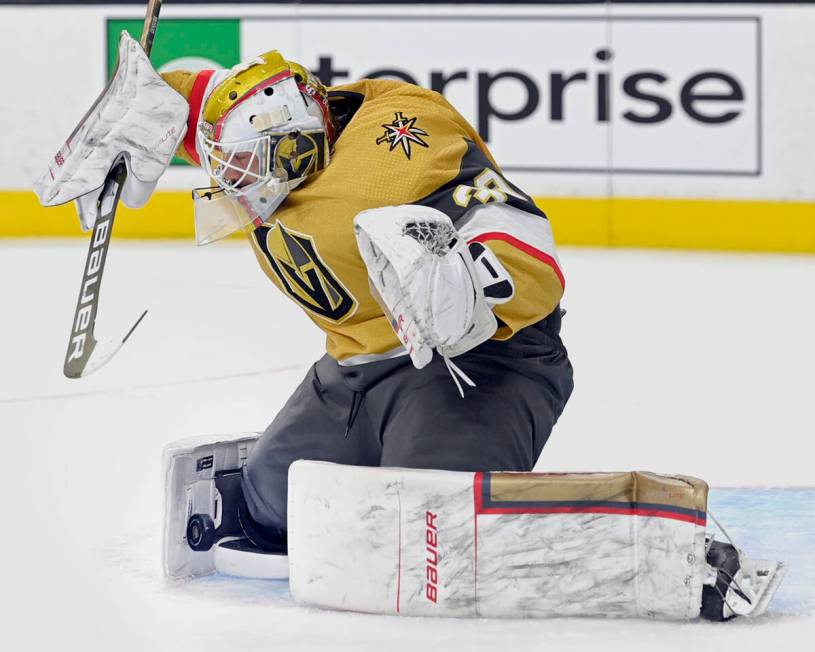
{"x":302,"y":273}
{"x":301,"y":153}
{"x":402,"y":131}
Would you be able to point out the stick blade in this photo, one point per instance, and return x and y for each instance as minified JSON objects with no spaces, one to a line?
{"x":77,"y":356}
{"x":85,"y":357}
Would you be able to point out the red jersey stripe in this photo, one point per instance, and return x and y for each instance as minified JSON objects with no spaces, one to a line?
{"x":526,"y":248}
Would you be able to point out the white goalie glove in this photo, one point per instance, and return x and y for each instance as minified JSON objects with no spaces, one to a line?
{"x":138,"y":117}
{"x":427,"y":281}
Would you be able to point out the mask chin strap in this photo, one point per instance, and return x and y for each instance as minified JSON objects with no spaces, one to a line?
{"x":207,"y":192}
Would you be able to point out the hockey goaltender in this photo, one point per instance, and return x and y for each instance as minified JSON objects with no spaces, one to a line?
{"x":396,"y":478}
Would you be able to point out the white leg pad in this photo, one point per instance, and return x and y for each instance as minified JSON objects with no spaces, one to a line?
{"x":421,"y":542}
{"x":189,"y":467}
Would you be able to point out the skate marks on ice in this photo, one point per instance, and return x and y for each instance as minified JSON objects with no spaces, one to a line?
{"x":182,"y":383}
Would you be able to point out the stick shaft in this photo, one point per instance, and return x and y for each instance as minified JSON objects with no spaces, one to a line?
{"x":148,"y":32}
{"x":83,"y":342}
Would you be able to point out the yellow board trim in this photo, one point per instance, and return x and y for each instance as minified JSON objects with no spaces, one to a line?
{"x":732,"y":225}
{"x":166,"y":215}
{"x":721,"y":225}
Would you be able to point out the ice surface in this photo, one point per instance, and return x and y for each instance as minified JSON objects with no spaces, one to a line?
{"x":685,"y":362}
{"x":774,"y":523}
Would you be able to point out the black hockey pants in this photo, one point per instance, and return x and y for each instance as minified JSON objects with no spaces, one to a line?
{"x":388,"y":413}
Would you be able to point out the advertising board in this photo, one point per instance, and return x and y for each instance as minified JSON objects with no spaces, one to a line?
{"x":644,"y":124}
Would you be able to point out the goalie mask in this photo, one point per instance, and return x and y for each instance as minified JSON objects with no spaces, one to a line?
{"x":264,"y":130}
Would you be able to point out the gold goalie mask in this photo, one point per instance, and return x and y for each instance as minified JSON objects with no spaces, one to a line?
{"x":264,"y":130}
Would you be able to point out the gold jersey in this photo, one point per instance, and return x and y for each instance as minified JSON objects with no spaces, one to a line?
{"x":399,"y":144}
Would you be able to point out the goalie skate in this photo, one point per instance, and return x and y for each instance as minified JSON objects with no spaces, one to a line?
{"x":737,"y":585}
{"x":194,"y":514}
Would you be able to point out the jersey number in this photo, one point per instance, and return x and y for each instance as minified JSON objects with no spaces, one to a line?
{"x":487,"y":186}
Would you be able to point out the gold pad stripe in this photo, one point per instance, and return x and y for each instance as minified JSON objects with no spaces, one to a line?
{"x":631,"y":493}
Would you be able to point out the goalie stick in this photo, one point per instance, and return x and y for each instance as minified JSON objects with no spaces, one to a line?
{"x":83,"y":343}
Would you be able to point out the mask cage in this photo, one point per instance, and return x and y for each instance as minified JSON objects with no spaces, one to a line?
{"x":238,"y":167}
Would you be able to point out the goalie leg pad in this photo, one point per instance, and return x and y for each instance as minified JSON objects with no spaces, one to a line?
{"x":444,"y":543}
{"x":196,"y":472}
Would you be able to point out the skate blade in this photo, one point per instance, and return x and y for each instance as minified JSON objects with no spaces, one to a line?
{"x":777,"y":575}
{"x":760,"y":580}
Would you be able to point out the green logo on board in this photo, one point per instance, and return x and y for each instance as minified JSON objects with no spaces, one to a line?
{"x":182,"y":44}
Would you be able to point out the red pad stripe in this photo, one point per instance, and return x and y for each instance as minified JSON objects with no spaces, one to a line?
{"x":526,"y":248}
{"x":478,"y":489}
{"x":478,"y":492}
{"x":399,"y":557}
{"x":196,"y":98}
{"x":588,"y":509}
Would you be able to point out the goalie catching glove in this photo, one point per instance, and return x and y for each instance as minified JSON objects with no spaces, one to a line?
{"x":428,"y":282}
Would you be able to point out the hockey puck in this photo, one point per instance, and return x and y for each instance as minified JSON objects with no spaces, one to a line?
{"x":200,"y":532}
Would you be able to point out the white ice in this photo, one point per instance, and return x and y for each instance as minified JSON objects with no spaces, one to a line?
{"x":685,"y":362}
